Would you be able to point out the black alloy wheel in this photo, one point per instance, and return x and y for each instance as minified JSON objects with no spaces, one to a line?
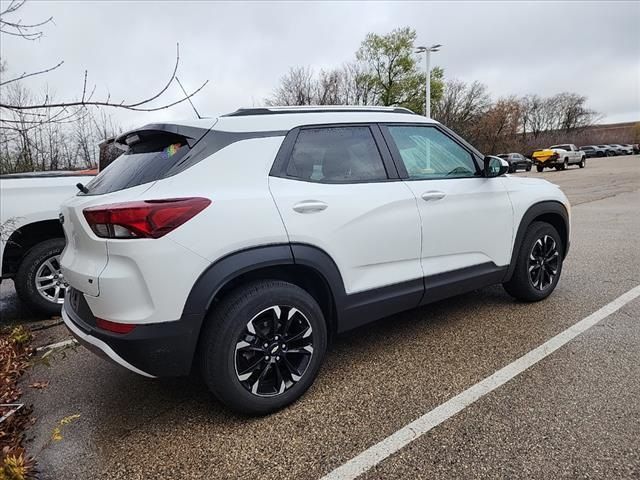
{"x":262,"y":346}
{"x":274,"y":350}
{"x":543,"y":262}
{"x":538,"y":264}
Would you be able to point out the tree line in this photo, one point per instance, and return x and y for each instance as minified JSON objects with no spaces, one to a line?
{"x":386,"y":71}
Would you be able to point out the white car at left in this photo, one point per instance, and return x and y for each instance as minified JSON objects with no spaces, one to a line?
{"x":31,"y":236}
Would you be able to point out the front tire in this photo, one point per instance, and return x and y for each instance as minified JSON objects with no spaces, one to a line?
{"x":263,"y":346}
{"x":39,"y":282}
{"x":539,"y":168}
{"x":538,"y":264}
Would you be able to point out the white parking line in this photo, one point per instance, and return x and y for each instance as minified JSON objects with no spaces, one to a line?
{"x":64,"y":343}
{"x":407,"y":434}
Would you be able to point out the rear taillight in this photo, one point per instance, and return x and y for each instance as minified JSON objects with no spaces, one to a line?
{"x":143,"y":219}
{"x":114,"y":327}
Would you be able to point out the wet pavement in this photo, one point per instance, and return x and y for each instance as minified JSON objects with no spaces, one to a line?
{"x":573,"y":415}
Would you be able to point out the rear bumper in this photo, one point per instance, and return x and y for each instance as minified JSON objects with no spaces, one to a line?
{"x":546,"y":163}
{"x":153,"y":350}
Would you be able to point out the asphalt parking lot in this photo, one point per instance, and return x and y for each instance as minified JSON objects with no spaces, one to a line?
{"x":575,"y":414}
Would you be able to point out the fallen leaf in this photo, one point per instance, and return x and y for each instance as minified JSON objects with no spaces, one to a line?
{"x":69,"y":419}
{"x":39,"y":385}
{"x":56,"y":435}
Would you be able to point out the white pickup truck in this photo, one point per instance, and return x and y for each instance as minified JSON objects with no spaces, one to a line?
{"x":559,"y":157}
{"x":31,"y":237}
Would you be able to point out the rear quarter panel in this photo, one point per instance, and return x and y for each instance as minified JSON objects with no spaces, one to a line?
{"x":242,"y":213}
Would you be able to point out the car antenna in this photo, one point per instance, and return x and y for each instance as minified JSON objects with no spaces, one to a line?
{"x":189,"y":99}
{"x":82,"y":188}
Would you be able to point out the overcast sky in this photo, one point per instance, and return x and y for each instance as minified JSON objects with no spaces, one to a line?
{"x":243,"y":48}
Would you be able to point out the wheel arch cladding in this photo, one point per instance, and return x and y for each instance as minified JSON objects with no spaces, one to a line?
{"x":302,"y":265}
{"x":551,"y":212}
{"x":24,"y":238}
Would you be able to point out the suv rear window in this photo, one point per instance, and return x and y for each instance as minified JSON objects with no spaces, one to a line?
{"x":144,"y":162}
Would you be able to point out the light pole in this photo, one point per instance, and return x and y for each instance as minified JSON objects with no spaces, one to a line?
{"x":427,"y":60}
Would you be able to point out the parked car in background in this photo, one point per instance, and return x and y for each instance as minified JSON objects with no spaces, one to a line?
{"x":629,"y":148}
{"x":621,"y":149}
{"x":516,"y":161}
{"x":609,"y":151}
{"x":559,"y":157}
{"x":285,"y":226}
{"x":32,"y":237}
{"x":594,"y":151}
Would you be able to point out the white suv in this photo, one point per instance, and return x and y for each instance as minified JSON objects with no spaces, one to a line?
{"x":242,"y":245}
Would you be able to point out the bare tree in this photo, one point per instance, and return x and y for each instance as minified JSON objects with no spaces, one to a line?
{"x":346,"y":85}
{"x":33,"y":32}
{"x":357,"y":89}
{"x":296,"y":88}
{"x":461,"y":106}
{"x":572,"y":113}
{"x":39,"y":132}
{"x":17,"y":27}
{"x":497,"y":130}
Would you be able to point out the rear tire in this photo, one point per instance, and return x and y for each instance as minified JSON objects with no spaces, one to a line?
{"x":26,"y":283}
{"x":255,"y":379}
{"x":583,"y":162}
{"x":538,"y":264}
{"x":565,"y":164}
{"x":528,"y":168}
{"x":539,"y":168}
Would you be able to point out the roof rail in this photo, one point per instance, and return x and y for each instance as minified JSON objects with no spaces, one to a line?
{"x":242,"y":112}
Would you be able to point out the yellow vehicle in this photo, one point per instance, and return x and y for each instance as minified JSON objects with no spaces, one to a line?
{"x":559,"y":157}
{"x":544,"y":158}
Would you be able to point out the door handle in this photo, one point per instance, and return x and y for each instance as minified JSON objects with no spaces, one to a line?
{"x":310,"y":206}
{"x":433,"y":195}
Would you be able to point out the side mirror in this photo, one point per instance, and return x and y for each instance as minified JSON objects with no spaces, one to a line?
{"x":495,"y":166}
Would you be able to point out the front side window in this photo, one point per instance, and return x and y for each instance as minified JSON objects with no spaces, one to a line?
{"x":336,"y":155}
{"x":428,"y":153}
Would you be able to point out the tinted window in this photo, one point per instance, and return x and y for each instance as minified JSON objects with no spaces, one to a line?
{"x":336,"y":155}
{"x":428,"y":153}
{"x":144,"y":162}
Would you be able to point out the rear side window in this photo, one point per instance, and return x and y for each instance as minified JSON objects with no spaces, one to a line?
{"x":144,"y":162}
{"x":336,"y":155}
